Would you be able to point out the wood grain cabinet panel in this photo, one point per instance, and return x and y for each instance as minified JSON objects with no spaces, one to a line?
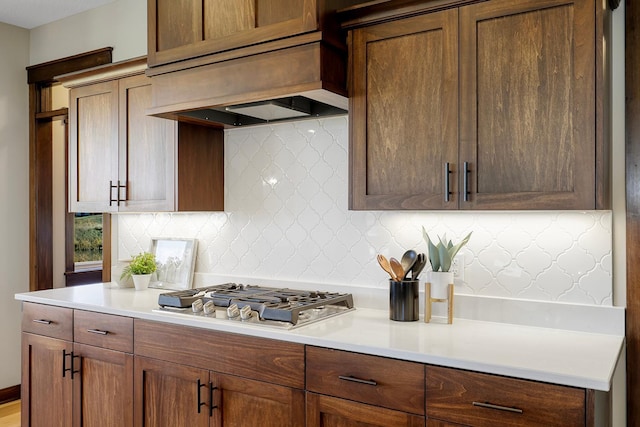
{"x":93,"y":146}
{"x":66,"y":383}
{"x":120,"y":159}
{"x":475,"y":399}
{"x":103,"y":330}
{"x":272,"y":361}
{"x":46,"y":395}
{"x":327,"y":411}
{"x":528,"y":104}
{"x":510,"y":95}
{"x":123,"y":160}
{"x":179,"y":30}
{"x":246,"y":402}
{"x":169,"y":394}
{"x":50,"y":321}
{"x":103,"y":387}
{"x":378,"y":381}
{"x":404,"y":113}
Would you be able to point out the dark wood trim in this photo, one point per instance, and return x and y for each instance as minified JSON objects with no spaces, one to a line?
{"x":33,"y":214}
{"x":632,"y":81}
{"x":60,"y":114}
{"x":75,"y":278}
{"x":376,"y":12}
{"x":40,"y":79}
{"x":9,"y":394}
{"x":44,"y":203}
{"x":46,"y":72}
{"x":122,"y":69}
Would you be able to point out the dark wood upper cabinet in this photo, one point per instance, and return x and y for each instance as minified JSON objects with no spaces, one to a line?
{"x":491,"y":105}
{"x":184,"y":29}
{"x":528,"y":104}
{"x":123,"y":160}
{"x":404,"y":113}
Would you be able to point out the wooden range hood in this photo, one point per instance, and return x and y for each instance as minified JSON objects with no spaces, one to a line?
{"x":305,"y":74}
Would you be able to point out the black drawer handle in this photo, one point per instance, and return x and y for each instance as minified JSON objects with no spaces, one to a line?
{"x":357,"y":380}
{"x":200,"y":402}
{"x":498,"y":407}
{"x":97,"y":331}
{"x":43,"y":321}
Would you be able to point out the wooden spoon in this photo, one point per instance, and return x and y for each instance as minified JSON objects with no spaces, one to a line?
{"x":397,"y":269}
{"x":384,"y":263}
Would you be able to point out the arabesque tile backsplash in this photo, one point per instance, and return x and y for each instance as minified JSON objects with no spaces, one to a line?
{"x":286,"y":217}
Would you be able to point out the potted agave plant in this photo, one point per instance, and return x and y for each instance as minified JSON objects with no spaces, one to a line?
{"x":140,"y":269}
{"x":441,"y":257}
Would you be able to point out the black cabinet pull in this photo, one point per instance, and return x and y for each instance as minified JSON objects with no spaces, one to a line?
{"x":97,"y":331}
{"x":447,"y":190}
{"x":111,"y":199}
{"x":200,"y":404}
{"x":117,"y":187}
{"x":64,"y":362}
{"x":357,"y":380}
{"x":465,"y":181}
{"x":212,"y":388}
{"x":42,"y":321}
{"x":497,"y":407}
{"x":73,"y":371}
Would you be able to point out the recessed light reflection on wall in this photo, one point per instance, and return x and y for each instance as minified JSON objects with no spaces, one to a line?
{"x":271,"y":181}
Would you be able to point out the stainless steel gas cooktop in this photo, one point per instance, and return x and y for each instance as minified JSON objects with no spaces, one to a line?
{"x":280,"y":307}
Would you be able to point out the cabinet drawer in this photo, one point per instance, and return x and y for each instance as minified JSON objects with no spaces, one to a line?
{"x":103,"y":330}
{"x":375,"y":380}
{"x":260,"y":359}
{"x":55,"y":322}
{"x":476,"y":399}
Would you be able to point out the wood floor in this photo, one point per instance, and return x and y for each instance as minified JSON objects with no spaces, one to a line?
{"x":10,"y":414}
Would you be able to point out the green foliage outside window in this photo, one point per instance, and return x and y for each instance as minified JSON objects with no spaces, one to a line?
{"x":88,"y":238}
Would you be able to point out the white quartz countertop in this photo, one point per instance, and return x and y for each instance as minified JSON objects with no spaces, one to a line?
{"x":556,"y":356}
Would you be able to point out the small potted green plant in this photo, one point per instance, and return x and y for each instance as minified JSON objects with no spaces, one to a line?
{"x":140,"y":269}
{"x":441,"y":257}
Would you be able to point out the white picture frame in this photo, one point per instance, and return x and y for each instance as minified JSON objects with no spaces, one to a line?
{"x":176,"y":259}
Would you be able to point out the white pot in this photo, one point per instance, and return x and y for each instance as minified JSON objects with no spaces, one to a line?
{"x":141,"y":281}
{"x":440,"y":283}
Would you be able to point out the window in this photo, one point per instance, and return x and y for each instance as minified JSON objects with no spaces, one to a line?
{"x":87,"y":241}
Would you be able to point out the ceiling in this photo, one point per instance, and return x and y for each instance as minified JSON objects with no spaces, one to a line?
{"x":33,"y":13}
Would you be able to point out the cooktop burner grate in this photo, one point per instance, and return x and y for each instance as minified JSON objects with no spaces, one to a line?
{"x":270,"y":304}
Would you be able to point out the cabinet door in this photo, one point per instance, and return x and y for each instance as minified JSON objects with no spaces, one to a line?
{"x":244,"y":402}
{"x":527,"y":119}
{"x":93,"y":147}
{"x":404,"y":113}
{"x":147,"y":150}
{"x":326,"y":411}
{"x":46,"y":393}
{"x":189,"y":28}
{"x":166,"y":394}
{"x":103,"y":396}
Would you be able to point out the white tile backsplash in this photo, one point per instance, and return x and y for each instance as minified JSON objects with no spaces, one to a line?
{"x":286,"y":217}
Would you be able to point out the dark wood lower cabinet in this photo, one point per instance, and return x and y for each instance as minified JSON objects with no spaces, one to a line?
{"x":170,"y":394}
{"x":244,"y":402}
{"x":327,"y":411}
{"x":82,"y":368}
{"x":166,"y":394}
{"x":46,"y":394}
{"x":103,"y":395}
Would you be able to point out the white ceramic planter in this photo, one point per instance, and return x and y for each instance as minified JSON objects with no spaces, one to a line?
{"x":440,"y":283}
{"x":141,"y":281}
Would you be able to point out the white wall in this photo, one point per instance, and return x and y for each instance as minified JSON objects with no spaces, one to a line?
{"x":121,"y":25}
{"x":14,"y":195}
